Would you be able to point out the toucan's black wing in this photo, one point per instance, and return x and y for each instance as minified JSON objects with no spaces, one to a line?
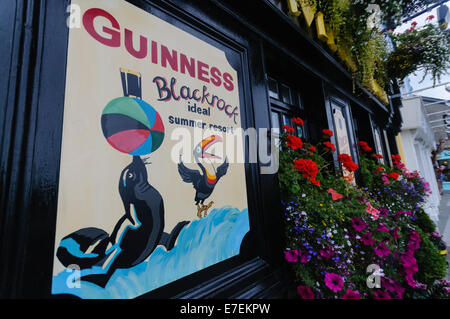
{"x":189,"y":175}
{"x":222,"y":169}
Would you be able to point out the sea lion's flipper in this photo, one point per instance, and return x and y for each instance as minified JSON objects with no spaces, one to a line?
{"x":168,"y":240}
{"x":99,"y":279}
{"x":73,"y":248}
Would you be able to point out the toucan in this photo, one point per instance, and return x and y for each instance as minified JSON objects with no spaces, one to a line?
{"x":203,"y":180}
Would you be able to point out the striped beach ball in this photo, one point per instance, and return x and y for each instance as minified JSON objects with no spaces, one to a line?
{"x":132,"y":126}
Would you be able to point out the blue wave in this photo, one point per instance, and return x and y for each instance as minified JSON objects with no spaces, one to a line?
{"x":200,"y":244}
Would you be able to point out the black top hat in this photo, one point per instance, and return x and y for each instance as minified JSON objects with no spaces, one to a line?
{"x":131,"y":83}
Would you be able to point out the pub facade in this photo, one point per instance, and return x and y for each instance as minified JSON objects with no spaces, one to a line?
{"x":114,"y":114}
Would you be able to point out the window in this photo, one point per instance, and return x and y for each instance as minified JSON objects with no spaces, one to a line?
{"x":285,"y":104}
{"x":379,"y":147}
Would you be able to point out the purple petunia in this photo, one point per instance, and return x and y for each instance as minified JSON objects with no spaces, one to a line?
{"x":382,"y":227}
{"x":382,"y":250}
{"x":334,"y":281}
{"x":304,"y":256}
{"x":291,"y":255}
{"x":350,"y":294}
{"x":379,"y":294}
{"x":358,"y":224}
{"x":305,"y":292}
{"x":326,"y":253}
{"x":367,"y":239}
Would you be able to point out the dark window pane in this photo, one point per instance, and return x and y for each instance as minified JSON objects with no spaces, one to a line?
{"x":294,"y":97}
{"x":285,"y":93}
{"x":286,"y":120}
{"x":298,"y":99}
{"x":273,"y":88}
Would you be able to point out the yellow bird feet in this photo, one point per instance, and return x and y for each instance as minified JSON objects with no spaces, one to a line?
{"x":203,"y":209}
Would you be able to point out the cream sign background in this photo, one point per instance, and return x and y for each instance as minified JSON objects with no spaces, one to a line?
{"x":90,"y":167}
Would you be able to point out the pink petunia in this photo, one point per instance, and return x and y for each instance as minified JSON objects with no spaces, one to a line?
{"x":399,"y":290}
{"x":382,"y":228}
{"x":395,"y":234}
{"x":305,"y":292}
{"x":379,"y":294}
{"x":367,"y":239}
{"x":326,"y":253}
{"x":387,"y":284}
{"x":334,"y":281}
{"x":358,"y":224}
{"x":350,"y":294}
{"x":382,"y":250}
{"x":291,"y":255}
{"x":304,"y":256}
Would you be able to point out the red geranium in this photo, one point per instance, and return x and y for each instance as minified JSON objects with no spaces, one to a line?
{"x":312,"y":149}
{"x":297,"y":121}
{"x":327,"y":132}
{"x":347,"y":162}
{"x":393,"y":175}
{"x":330,"y":145}
{"x":308,"y":168}
{"x":364,"y":146}
{"x":315,"y":182}
{"x":377,"y":156}
{"x":379,"y":168}
{"x":294,"y":142}
{"x":288,"y":129}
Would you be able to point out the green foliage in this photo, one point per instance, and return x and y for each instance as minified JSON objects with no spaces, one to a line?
{"x":424,"y":222}
{"x":432,"y":265}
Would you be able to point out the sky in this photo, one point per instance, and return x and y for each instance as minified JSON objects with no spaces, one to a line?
{"x":415,"y":80}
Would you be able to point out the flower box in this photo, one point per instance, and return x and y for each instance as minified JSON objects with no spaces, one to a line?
{"x":293,"y":8}
{"x":308,"y":12}
{"x":320,"y":27}
{"x":444,"y":252}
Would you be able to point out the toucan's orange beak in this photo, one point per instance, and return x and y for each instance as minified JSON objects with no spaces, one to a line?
{"x":207,"y":143}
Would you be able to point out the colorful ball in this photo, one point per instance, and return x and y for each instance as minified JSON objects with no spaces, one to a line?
{"x":132,"y":126}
